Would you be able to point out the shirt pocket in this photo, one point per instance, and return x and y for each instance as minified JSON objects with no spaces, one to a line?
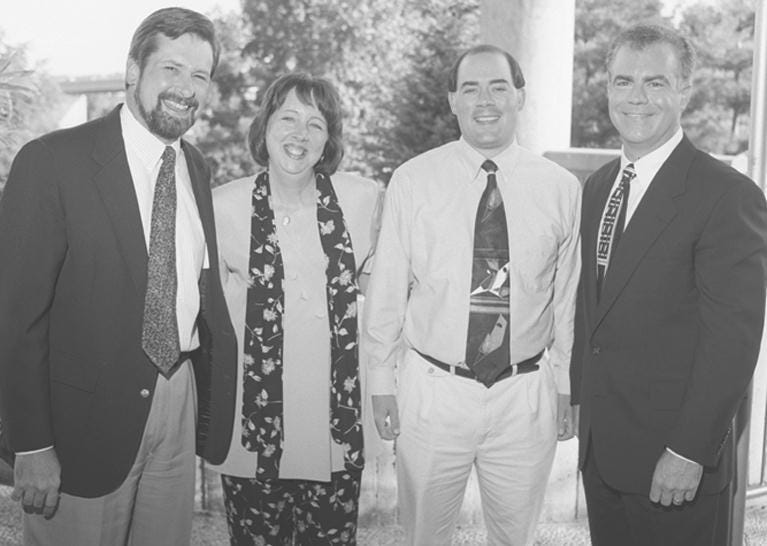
{"x":534,"y":262}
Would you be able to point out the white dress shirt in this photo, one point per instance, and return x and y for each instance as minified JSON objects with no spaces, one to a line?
{"x":646,"y":167}
{"x":420,"y":282}
{"x":144,"y":152}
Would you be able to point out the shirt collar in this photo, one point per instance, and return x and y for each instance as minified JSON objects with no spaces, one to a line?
{"x":148,"y":147}
{"x":648,"y":165}
{"x":505,"y":160}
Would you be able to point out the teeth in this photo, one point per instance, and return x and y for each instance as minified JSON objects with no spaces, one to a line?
{"x":295,"y":152}
{"x":486,"y":119}
{"x":176,"y":105}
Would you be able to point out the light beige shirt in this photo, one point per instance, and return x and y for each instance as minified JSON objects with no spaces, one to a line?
{"x":420,"y":282}
{"x":309,"y":452}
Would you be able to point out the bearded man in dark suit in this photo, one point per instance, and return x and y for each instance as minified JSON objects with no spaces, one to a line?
{"x":670,"y":309}
{"x":109,"y":291}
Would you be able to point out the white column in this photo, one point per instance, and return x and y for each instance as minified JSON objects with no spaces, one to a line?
{"x":539,"y":34}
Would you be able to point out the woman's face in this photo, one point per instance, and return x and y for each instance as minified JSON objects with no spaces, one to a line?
{"x":296,"y":134}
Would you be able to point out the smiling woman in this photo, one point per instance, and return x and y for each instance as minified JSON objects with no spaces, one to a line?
{"x":290,"y":275}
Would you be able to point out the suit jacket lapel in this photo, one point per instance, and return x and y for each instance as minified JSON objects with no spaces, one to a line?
{"x":115,"y":186}
{"x":590,"y":232}
{"x":201,"y":191}
{"x":650,"y":219}
{"x":201,"y":194}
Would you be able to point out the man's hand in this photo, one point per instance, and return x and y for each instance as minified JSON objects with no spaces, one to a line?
{"x":675,"y":480}
{"x":567,"y":418}
{"x":386,"y":415}
{"x":36,"y":479}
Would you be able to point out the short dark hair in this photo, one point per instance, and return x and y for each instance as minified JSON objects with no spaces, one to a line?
{"x":172,"y":22}
{"x":309,"y":90}
{"x":644,"y":35}
{"x":517,"y":78}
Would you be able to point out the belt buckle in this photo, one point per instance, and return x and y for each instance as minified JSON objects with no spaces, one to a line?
{"x":514,"y":370}
{"x":452,"y":370}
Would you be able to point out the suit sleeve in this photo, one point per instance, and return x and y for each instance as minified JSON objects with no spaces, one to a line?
{"x":33,"y":245}
{"x":579,"y":320}
{"x":729,"y":264}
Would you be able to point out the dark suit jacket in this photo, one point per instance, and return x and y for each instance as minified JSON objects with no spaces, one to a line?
{"x":666,"y":356}
{"x":72,"y":286}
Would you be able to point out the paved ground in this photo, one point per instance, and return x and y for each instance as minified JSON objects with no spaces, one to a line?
{"x":210,"y":530}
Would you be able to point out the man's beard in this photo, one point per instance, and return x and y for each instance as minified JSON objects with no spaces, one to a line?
{"x":163,"y":124}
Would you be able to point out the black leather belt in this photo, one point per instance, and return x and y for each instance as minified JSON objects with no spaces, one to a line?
{"x":526,"y":366}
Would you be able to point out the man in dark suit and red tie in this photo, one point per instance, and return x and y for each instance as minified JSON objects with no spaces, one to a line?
{"x":109,"y":294}
{"x":670,"y":309}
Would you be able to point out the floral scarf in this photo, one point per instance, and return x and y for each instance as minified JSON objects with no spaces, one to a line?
{"x":262,"y":425}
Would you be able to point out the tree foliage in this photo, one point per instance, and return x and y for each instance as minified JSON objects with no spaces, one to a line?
{"x":717,"y":116}
{"x":29,"y":102}
{"x":596,"y":23}
{"x":389,"y":61}
{"x":386,"y":58}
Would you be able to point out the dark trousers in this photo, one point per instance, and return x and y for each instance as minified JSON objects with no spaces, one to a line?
{"x":292,"y":512}
{"x":627,"y":519}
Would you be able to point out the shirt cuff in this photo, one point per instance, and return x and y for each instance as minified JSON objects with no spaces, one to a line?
{"x":380,"y":380}
{"x":561,"y":378}
{"x":33,"y":451}
{"x":675,"y":454}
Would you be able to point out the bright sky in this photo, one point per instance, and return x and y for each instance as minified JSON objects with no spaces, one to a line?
{"x":91,"y":37}
{"x":85,"y":37}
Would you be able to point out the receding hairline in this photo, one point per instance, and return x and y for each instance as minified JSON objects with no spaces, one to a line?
{"x":499,"y":54}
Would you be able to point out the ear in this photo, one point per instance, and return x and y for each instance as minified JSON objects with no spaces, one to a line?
{"x":685,"y":95}
{"x":451,"y":101}
{"x":521,"y":101}
{"x":132,"y":72}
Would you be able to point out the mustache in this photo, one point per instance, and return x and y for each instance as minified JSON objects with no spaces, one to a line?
{"x":190,"y":101}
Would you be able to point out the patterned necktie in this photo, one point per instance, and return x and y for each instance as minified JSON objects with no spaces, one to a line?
{"x":487,"y":344}
{"x":613,"y":222}
{"x":159,"y":337}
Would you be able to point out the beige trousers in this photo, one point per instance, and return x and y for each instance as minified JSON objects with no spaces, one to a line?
{"x":450,"y":424}
{"x":154,"y":504}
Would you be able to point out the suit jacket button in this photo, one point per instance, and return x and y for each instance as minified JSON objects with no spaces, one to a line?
{"x":144,"y":393}
{"x":595,"y":350}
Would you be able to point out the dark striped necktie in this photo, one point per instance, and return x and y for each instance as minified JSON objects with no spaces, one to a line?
{"x":613,"y":223}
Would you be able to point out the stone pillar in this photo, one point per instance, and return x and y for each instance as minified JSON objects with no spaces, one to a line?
{"x":539,"y":34}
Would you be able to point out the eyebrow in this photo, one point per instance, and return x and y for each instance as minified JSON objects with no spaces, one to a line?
{"x":656,"y":77}
{"x":492,"y":82}
{"x":313,"y":116}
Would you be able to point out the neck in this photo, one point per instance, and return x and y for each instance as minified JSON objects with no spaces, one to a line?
{"x":295,"y":191}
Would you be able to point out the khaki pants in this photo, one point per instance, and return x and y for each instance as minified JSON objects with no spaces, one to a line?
{"x":450,"y":424}
{"x":154,"y":504}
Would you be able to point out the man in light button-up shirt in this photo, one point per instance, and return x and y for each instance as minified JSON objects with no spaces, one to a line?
{"x":418,"y":302}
